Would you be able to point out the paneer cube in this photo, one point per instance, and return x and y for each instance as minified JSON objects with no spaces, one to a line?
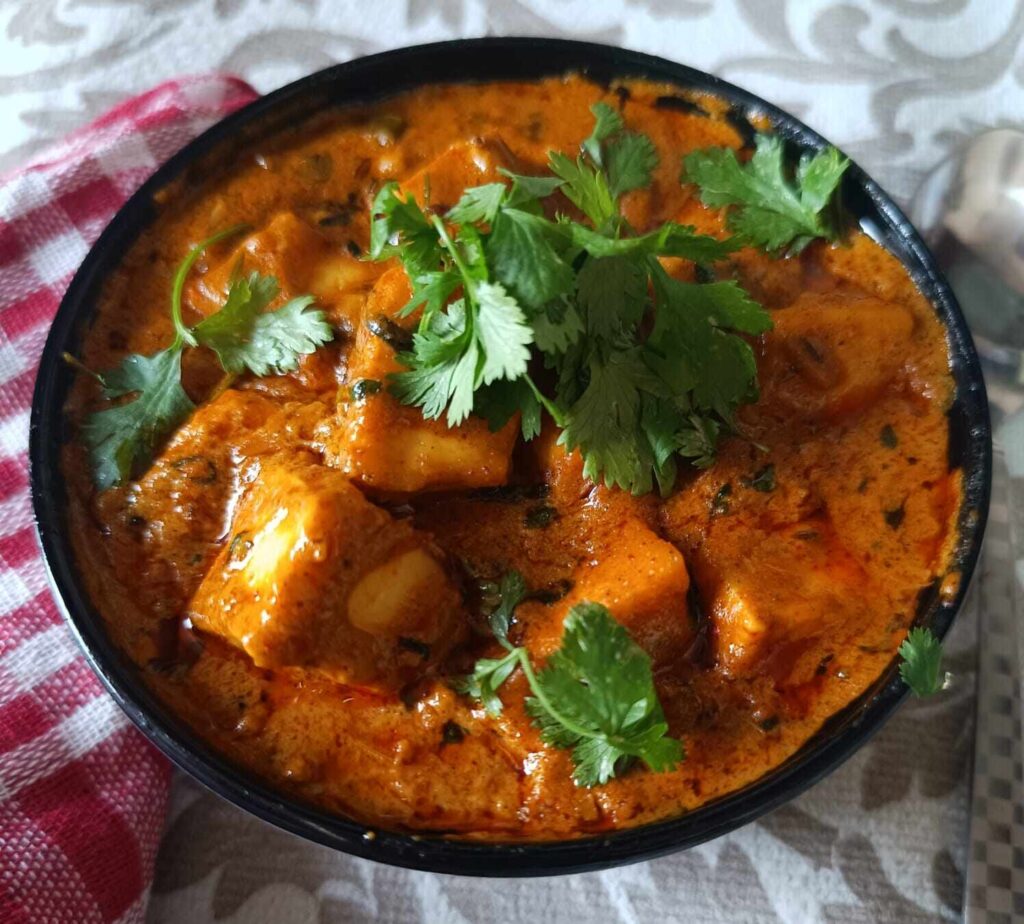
{"x":388,"y":446}
{"x":643,"y":582}
{"x":561,"y":471}
{"x":774,"y":597}
{"x":441,"y":183}
{"x":176,"y":509}
{"x":315,"y":576}
{"x":302,"y":261}
{"x":831,"y":354}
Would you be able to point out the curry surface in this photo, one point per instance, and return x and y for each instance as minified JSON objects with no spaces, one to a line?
{"x":807,"y":544}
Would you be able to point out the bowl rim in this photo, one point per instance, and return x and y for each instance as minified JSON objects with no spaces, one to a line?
{"x":378,"y":76}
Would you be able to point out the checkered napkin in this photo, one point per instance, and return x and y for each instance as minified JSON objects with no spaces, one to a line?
{"x":82,"y":794}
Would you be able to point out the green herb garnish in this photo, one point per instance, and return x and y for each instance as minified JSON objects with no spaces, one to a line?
{"x":595,"y":695}
{"x":244,"y":335}
{"x":921,"y":667}
{"x":540,"y":517}
{"x":578,"y":296}
{"x":364,"y":388}
{"x":720,"y":503}
{"x":121,"y":437}
{"x":247,"y":337}
{"x":762,"y":480}
{"x":769,"y":209}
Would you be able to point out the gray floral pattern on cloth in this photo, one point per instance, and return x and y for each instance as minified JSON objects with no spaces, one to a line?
{"x":899,"y":84}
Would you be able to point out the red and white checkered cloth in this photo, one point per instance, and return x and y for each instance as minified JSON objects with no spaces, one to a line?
{"x":82,"y":794}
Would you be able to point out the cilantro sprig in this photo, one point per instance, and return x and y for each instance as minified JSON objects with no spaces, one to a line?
{"x":243,"y":334}
{"x":921,"y":666}
{"x":767,"y":208}
{"x":595,"y":695}
{"x":507,"y":286}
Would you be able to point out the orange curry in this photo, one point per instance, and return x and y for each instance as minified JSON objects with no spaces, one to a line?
{"x":296,"y":573}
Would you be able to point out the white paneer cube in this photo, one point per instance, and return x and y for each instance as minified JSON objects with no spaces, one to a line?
{"x":316,"y":576}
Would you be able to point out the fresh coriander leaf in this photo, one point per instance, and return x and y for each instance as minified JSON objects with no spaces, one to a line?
{"x":691,"y":349}
{"x":442,"y":370}
{"x":921,"y":668}
{"x":244,"y":335}
{"x":526,"y":190}
{"x":670,"y":240}
{"x":511,"y":592}
{"x":596,"y":695}
{"x":584,"y":187}
{"x":503,"y":333}
{"x":557,"y":327}
{"x":399,"y":227}
{"x":431,"y":291}
{"x":660,"y":423}
{"x":728,"y":305}
{"x":123,"y":437}
{"x":698,"y":440}
{"x":479,"y":203}
{"x":500,"y":400}
{"x":627,"y":159}
{"x":489,"y":674}
{"x":630,"y":161}
{"x":604,"y":422}
{"x":729,"y":376}
{"x":474,"y":341}
{"x":818,"y":178}
{"x":183,"y":334}
{"x":278,"y":338}
{"x":633,"y":401}
{"x":523,"y":257}
{"x":467,"y":251}
{"x":607,"y":122}
{"x":772,"y":211}
{"x":612,"y":291}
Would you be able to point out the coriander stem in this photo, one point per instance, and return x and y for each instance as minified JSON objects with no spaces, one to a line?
{"x":75,"y":363}
{"x":546,"y":403}
{"x":182,"y":334}
{"x":449,"y":245}
{"x":535,"y":687}
{"x":467,"y":281}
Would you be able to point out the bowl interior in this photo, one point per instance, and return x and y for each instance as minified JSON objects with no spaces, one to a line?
{"x":382,"y":75}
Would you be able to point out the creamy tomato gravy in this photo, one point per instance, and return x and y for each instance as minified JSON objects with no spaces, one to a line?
{"x":805,"y":547}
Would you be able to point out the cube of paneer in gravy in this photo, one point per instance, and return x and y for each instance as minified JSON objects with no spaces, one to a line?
{"x":440,"y":183}
{"x":315,"y":576}
{"x":561,"y":471}
{"x":643,"y":581}
{"x":774,"y":596}
{"x":831,"y":354}
{"x":796,"y":546}
{"x":301,"y":259}
{"x":625,"y":565}
{"x":390,"y":447}
{"x":173,"y":516}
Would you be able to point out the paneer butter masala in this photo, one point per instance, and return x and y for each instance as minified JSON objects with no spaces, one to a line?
{"x":513,"y":461}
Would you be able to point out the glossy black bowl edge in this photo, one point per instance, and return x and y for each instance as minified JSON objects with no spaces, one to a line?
{"x":382,"y":75}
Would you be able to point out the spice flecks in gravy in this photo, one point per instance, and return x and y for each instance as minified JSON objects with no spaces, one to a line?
{"x":770,"y":589}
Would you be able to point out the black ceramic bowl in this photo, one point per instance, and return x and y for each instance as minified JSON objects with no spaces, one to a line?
{"x":379,"y":76}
